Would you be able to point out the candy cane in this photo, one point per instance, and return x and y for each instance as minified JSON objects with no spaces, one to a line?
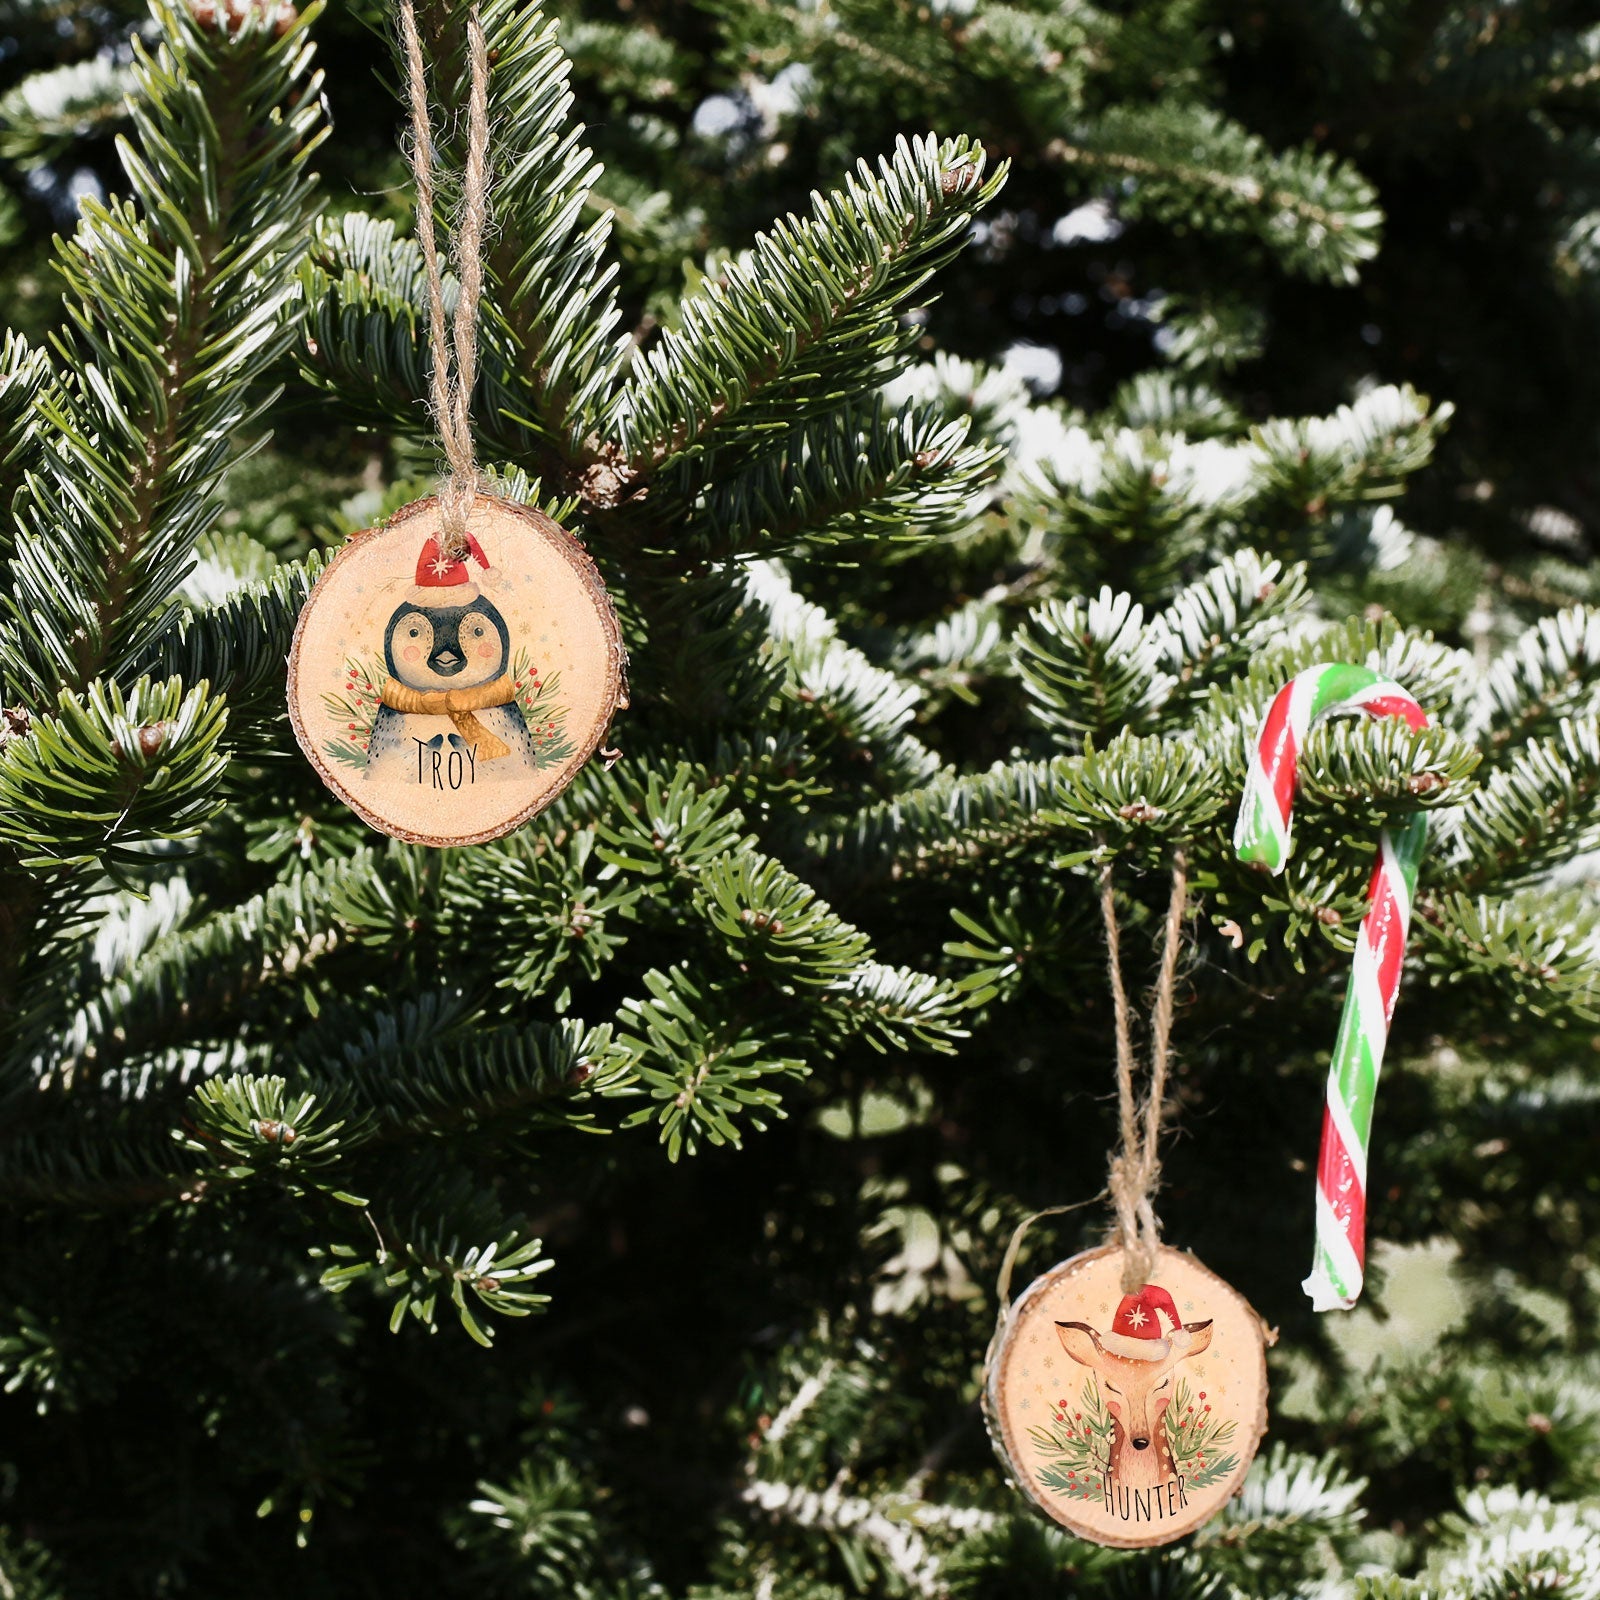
{"x":1262,"y":837}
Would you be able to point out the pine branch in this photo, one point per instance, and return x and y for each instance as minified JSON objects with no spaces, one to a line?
{"x":1536,"y":951}
{"x":501,"y":1083}
{"x":362,"y":335}
{"x":1091,"y":667}
{"x":959,"y":651}
{"x":700,"y":1071}
{"x":553,"y":911}
{"x":1475,"y":69}
{"x":1536,"y":809}
{"x":1216,"y":626}
{"x":50,"y":111}
{"x":1551,"y":674}
{"x":239,"y":646}
{"x":1190,"y":165}
{"x":1137,"y":793}
{"x":1295,"y":1514}
{"x":1364,"y":451}
{"x":855,"y":474}
{"x":24,"y":372}
{"x":178,"y":299}
{"x":108,"y":772}
{"x":1170,"y":404}
{"x":1505,"y":1540}
{"x":953,"y":818}
{"x":194,"y":976}
{"x":808,"y":319}
{"x":775,"y":925}
{"x":420,"y":1259}
{"x":668,"y":825}
{"x":898,"y":1008}
{"x":859,"y":710}
{"x":1211,"y":331}
{"x":120,"y":1161}
{"x":1153,"y":502}
{"x":556,"y":296}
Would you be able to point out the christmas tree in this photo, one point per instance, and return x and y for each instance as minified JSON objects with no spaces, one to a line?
{"x":380,"y":1219}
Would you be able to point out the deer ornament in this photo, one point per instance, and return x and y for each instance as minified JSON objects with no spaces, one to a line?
{"x":1134,"y":1364}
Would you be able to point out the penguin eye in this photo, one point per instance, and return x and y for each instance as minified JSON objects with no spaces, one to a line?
{"x":412,"y":632}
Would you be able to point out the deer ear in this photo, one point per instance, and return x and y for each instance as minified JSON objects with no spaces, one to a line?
{"x":1199,"y":1337}
{"x":1080,"y":1342}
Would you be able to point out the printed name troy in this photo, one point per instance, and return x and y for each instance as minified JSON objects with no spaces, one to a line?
{"x":445,"y":771}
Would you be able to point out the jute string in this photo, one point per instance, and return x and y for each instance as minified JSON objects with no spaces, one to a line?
{"x":1136,"y":1167}
{"x":452,"y":381}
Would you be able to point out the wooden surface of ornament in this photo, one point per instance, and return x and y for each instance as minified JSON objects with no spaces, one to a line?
{"x":448,"y":701}
{"x":1130,"y":1419}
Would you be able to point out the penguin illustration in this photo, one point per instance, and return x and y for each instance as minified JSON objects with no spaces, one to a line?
{"x":449,"y":718}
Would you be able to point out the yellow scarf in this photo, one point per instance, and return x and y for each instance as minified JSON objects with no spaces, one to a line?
{"x":458,"y":705}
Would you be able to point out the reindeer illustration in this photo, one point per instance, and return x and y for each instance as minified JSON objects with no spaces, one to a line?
{"x":1134,"y":1363}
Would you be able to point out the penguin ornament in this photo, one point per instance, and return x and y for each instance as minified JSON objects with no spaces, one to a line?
{"x":447,"y":698}
{"x":449,"y":705}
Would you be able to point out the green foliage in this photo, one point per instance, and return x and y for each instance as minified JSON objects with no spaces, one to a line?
{"x":693,"y":1117}
{"x":1190,"y":166}
{"x":106,"y":773}
{"x":46,"y":113}
{"x":424,"y":1265}
{"x":177,"y":301}
{"x":819,"y":293}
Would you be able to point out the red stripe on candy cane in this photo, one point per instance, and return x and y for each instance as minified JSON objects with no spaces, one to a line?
{"x":1387,"y":943}
{"x":1340,"y":1180}
{"x":1279,"y":752}
{"x":1389,"y":705}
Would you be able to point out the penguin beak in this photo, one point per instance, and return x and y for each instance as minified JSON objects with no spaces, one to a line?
{"x":446,"y":662}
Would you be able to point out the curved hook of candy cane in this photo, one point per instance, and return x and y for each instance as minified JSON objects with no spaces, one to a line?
{"x":1262,"y":836}
{"x":1262,"y":833}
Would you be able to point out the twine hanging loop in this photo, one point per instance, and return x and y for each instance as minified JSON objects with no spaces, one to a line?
{"x":1136,"y":1166}
{"x":452,"y":380}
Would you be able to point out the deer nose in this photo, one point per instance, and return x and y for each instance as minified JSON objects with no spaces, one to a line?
{"x":1140,"y":1444}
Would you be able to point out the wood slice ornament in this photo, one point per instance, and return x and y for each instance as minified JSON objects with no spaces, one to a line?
{"x":446,"y":701}
{"x":453,"y":668}
{"x":1128,"y":1418}
{"x":1125,"y":1391}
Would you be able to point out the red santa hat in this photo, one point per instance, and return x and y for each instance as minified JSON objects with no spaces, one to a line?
{"x":444,"y":580}
{"x":1136,"y":1333}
